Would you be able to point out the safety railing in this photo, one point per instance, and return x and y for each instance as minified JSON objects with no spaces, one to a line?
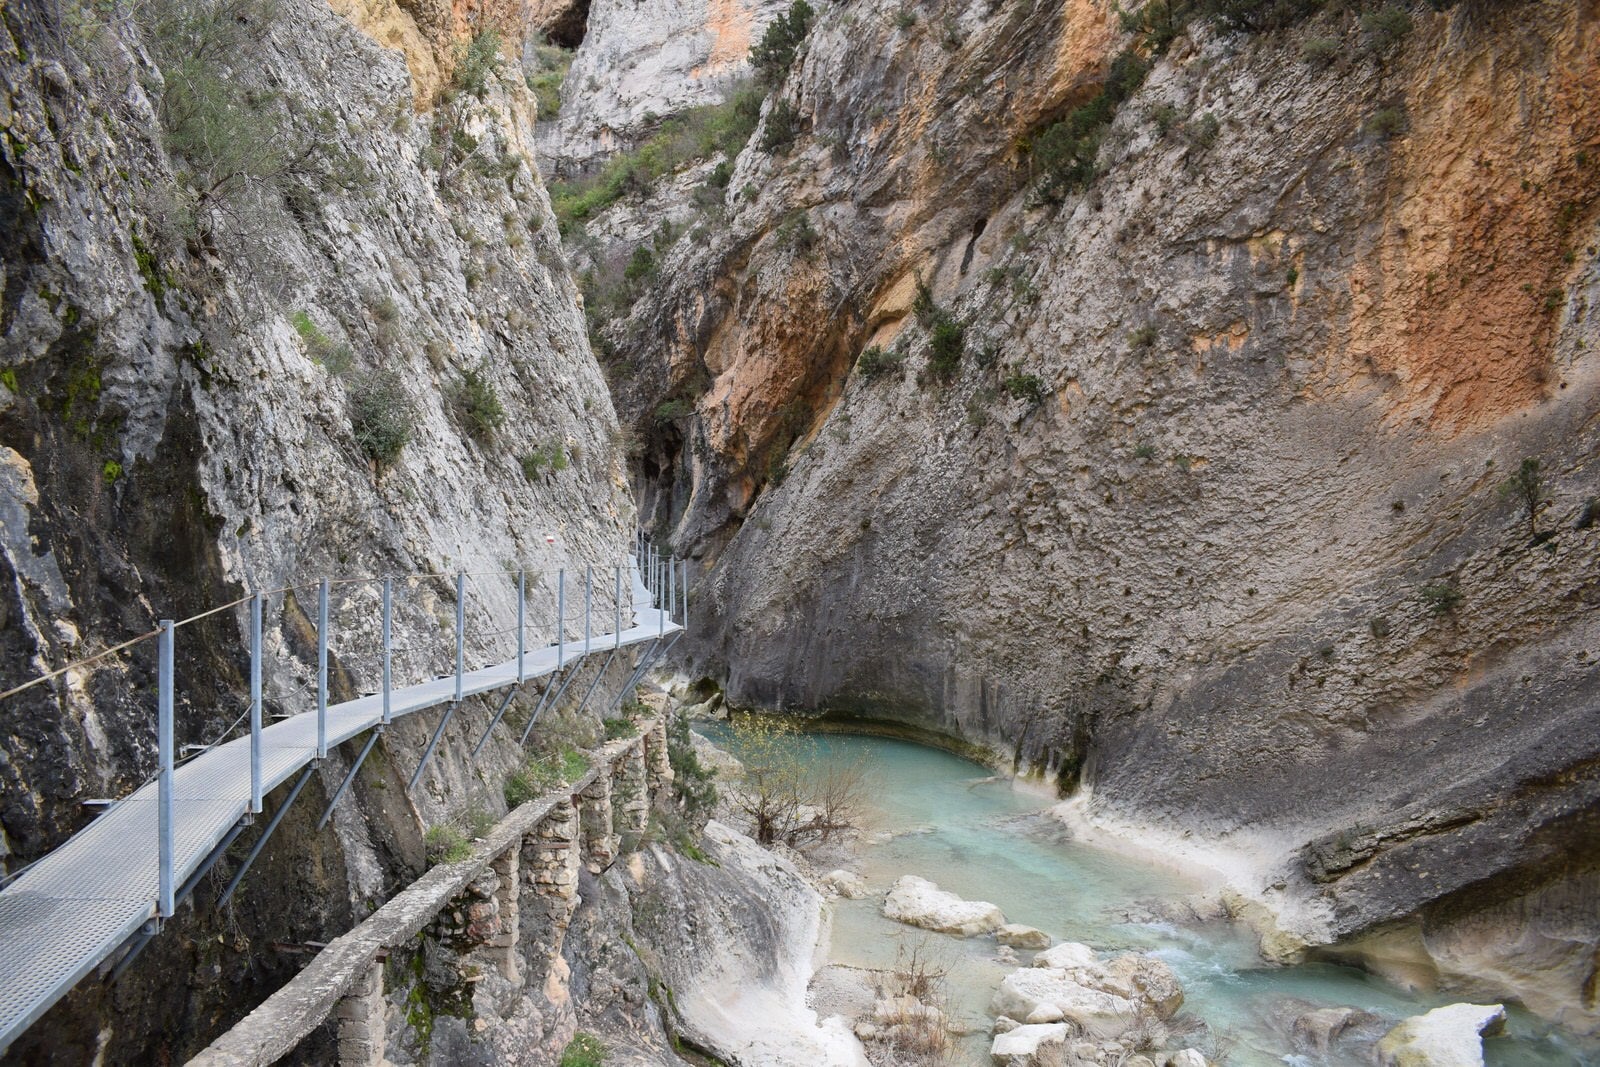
{"x":647,"y":595}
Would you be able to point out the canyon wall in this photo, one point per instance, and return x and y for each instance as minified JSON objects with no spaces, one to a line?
{"x":263,"y":324}
{"x":1201,"y":511}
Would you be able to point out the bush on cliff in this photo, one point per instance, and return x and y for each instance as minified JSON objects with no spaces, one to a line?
{"x":774,"y":54}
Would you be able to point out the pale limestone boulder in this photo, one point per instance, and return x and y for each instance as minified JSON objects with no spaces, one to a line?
{"x":1099,"y":1014}
{"x":1316,"y":1031}
{"x":1187,"y":1058}
{"x":1045,"y":1013}
{"x":919,"y":902}
{"x":1026,"y":1041}
{"x":844,"y":883}
{"x":1015,"y":935}
{"x":1451,"y":1036}
{"x":1069,"y":955}
{"x":1146,"y":979}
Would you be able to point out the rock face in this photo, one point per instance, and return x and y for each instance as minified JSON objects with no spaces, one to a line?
{"x":734,"y":942}
{"x":1204,"y":515}
{"x":639,"y":63}
{"x":196,"y":323}
{"x":1451,"y":1036}
{"x":919,"y":902}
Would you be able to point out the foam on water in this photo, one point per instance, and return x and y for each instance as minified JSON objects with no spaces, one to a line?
{"x":983,"y":839}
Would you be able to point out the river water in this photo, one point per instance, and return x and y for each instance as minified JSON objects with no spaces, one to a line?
{"x":941,"y":817}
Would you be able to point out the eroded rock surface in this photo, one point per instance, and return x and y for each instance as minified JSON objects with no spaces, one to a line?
{"x":919,"y":902}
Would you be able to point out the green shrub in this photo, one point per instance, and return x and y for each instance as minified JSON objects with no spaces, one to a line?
{"x":1442,"y":598}
{"x":445,"y":844}
{"x":720,"y":175}
{"x":694,"y":135}
{"x":1203,"y":132}
{"x":782,"y":127}
{"x":475,"y":61}
{"x":1526,"y":487}
{"x":584,"y":1050}
{"x":1320,"y":51}
{"x":1065,"y":152}
{"x":619,"y":728}
{"x":477,"y":403}
{"x":545,"y":81}
{"x":641,"y":265}
{"x":380,"y":416}
{"x":797,"y":233}
{"x":673,"y":410}
{"x":1257,"y":16}
{"x":1026,"y":387}
{"x":877,"y":362}
{"x":1143,"y":337}
{"x":1387,"y":122}
{"x":693,"y":783}
{"x":539,"y":776}
{"x":905,"y":19}
{"x":551,"y":457}
{"x":1145,"y":451}
{"x":774,"y":54}
{"x":946,"y":343}
{"x":1386,"y":27}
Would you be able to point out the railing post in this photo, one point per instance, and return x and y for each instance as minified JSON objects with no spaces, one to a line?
{"x":388,"y":648}
{"x":561,"y":618}
{"x":322,"y":669}
{"x":588,"y":596}
{"x":255,"y":704}
{"x":522,"y":623}
{"x":617,"y":626}
{"x":672,"y":586}
{"x":684,"y":622}
{"x":461,"y":629}
{"x":164,"y":828}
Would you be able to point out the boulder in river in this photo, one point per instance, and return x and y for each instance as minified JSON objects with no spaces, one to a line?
{"x":1015,"y":935}
{"x":1104,"y":1000}
{"x":919,"y":902}
{"x":1451,"y":1036}
{"x":1016,"y":1046}
{"x":1069,"y":955}
{"x":1316,"y":1031}
{"x":1097,"y":1013}
{"x":845,"y":883}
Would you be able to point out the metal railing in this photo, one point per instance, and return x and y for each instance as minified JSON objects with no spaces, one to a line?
{"x":663,"y":579}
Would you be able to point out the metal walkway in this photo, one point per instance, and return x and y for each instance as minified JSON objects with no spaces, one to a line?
{"x":72,"y":910}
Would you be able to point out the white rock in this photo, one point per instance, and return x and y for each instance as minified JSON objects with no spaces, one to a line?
{"x":1005,"y":1024}
{"x":1069,"y":955}
{"x":1026,"y":937}
{"x":1144,"y":979}
{"x":1451,"y":1036}
{"x":1026,"y":1040}
{"x":1099,"y":1014}
{"x":1187,"y":1058}
{"x":1045,"y":1013}
{"x":846,"y":884}
{"x":919,"y":902}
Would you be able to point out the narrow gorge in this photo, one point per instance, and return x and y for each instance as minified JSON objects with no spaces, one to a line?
{"x":593,"y":455}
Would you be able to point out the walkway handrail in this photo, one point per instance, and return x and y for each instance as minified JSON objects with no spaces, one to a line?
{"x":103,"y":881}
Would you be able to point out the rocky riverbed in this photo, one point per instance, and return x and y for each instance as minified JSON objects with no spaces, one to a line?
{"x":967,"y":924}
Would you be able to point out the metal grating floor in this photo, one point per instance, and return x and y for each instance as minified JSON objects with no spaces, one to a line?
{"x":71,"y":910}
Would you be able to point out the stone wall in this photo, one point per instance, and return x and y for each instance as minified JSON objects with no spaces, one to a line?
{"x":499,"y":915}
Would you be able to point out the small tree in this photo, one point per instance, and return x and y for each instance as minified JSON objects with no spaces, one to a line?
{"x":1526,"y":487}
{"x":774,"y":54}
{"x":786,"y":798}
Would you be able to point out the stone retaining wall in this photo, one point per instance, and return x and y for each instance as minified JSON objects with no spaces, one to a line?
{"x":518,"y":885}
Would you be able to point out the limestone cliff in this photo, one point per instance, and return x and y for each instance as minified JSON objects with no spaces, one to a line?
{"x":262,"y":325}
{"x":1178,"y":475}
